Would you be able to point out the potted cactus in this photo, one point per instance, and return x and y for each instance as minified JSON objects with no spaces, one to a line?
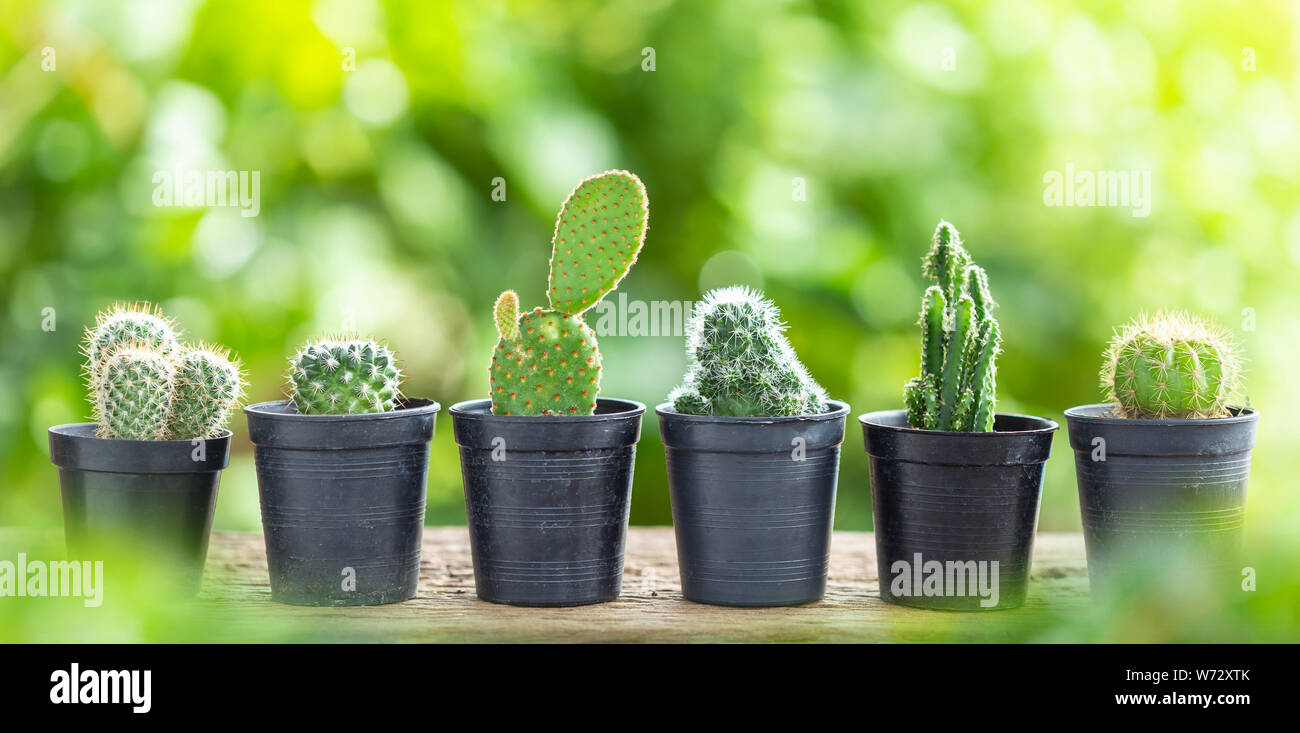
{"x":341,"y":472}
{"x":1162,"y":466}
{"x":144,"y":474}
{"x":752,"y":445}
{"x":547,"y":464}
{"x":955,"y":484}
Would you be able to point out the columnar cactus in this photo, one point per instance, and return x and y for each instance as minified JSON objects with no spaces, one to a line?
{"x":208,"y":385}
{"x":1172,"y":365}
{"x":145,"y":385}
{"x":344,"y":377}
{"x":960,"y":342}
{"x":740,"y":362}
{"x":547,"y":361}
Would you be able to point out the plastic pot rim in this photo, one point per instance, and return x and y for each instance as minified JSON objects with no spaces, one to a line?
{"x":274,"y":410}
{"x":474,"y":410}
{"x":127,"y":442}
{"x":838,"y":409}
{"x":1096,"y":414}
{"x":121,"y":455}
{"x":872,"y":419}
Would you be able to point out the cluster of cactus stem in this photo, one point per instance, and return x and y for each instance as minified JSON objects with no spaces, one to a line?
{"x":960,"y":341}
{"x":145,"y":384}
{"x":547,"y":361}
{"x":740,"y":363}
{"x":344,"y":376}
{"x":1172,"y":365}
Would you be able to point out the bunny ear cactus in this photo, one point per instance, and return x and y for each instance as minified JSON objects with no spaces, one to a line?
{"x":960,"y":342}
{"x":740,"y":362}
{"x":1172,"y":365}
{"x":344,"y":377}
{"x":547,"y":361}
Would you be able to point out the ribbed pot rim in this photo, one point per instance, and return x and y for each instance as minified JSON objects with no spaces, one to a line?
{"x":1095,"y":413}
{"x":839,"y":409}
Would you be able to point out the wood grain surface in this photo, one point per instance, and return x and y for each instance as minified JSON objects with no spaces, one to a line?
{"x":236,"y":602}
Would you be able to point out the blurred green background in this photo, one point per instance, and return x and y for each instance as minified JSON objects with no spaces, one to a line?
{"x":379,"y":129}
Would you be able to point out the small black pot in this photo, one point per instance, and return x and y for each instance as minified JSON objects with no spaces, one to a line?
{"x":1167,"y":491}
{"x":156,"y":496}
{"x":955,"y":498}
{"x":753,"y":504}
{"x":547,"y":500}
{"x":342,"y":501}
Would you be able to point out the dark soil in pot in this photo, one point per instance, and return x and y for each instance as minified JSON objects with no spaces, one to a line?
{"x":1160,"y":493}
{"x":753,"y":504}
{"x":153,"y":497}
{"x":948,"y":506}
{"x":547,"y":500}
{"x":342,"y":501}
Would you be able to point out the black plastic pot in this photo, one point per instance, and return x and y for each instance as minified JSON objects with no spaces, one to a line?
{"x":342,"y":501}
{"x":547,"y":500}
{"x":153,"y":496}
{"x":1156,"y":492}
{"x":753,"y":504}
{"x":955,"y":498}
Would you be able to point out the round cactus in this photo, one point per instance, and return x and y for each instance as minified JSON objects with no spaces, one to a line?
{"x":1172,"y":365}
{"x":741,"y":363}
{"x":208,"y":385}
{"x":549,"y":364}
{"x":141,"y":324}
{"x":133,"y":393}
{"x":344,"y":377}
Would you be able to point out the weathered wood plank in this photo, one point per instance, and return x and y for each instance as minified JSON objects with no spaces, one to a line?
{"x":236,"y":601}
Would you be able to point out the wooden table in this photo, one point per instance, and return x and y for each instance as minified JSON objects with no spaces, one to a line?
{"x":237,"y":601}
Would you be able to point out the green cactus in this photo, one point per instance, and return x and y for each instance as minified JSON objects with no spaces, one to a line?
{"x":1172,"y":365}
{"x":133,"y":393}
{"x":598,"y":235}
{"x":960,"y":342}
{"x":208,"y":385}
{"x":145,"y":385}
{"x":346,"y":376}
{"x":142,"y":324}
{"x":547,"y":361}
{"x":740,"y":362}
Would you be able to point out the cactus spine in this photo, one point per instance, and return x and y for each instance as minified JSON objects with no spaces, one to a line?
{"x":1172,"y":365}
{"x":344,"y":376}
{"x":133,"y":394}
{"x":146,"y":385}
{"x":547,"y":361}
{"x":207,"y":387}
{"x":740,"y":362}
{"x":960,"y":342}
{"x":140,"y":324}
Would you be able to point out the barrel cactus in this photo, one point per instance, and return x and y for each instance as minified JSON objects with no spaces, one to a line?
{"x":960,"y":342}
{"x":207,"y":387}
{"x":140,"y":324}
{"x":547,"y":361}
{"x":344,"y":377}
{"x":134,"y":392}
{"x":146,"y":385}
{"x":1172,"y":365}
{"x":740,"y":363}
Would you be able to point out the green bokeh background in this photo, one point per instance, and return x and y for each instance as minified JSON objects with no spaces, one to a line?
{"x":379,"y":130}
